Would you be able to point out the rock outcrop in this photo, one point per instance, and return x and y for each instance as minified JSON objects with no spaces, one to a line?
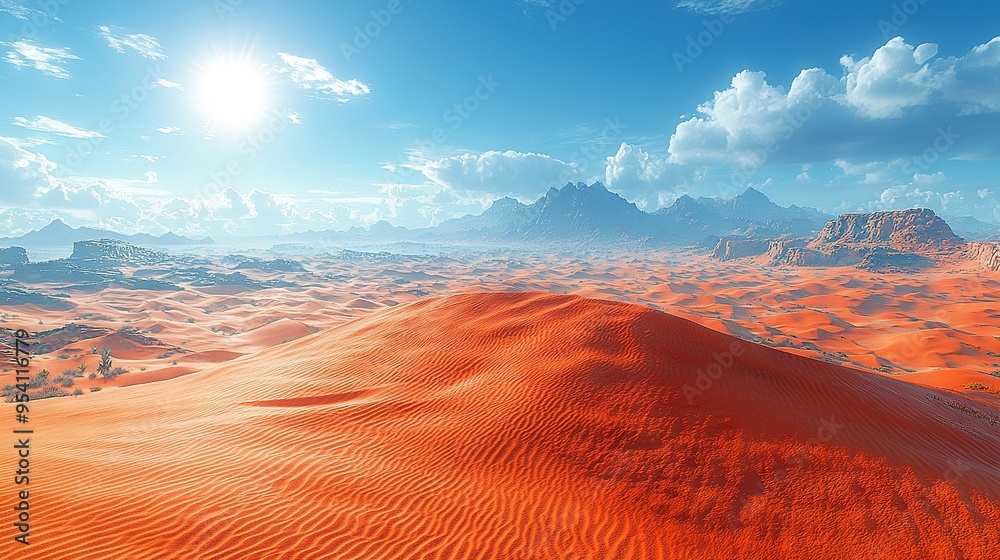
{"x":12,"y":257}
{"x":988,"y":254}
{"x":895,"y":241}
{"x":729,"y":248}
{"x":113,"y":252}
{"x":908,"y":231}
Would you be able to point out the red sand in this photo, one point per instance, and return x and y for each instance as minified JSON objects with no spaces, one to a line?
{"x":939,"y":328}
{"x":519,"y":426}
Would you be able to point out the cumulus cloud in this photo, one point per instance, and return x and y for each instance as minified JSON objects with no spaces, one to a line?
{"x":309,"y":74}
{"x":38,"y":196}
{"x":46,"y":124}
{"x":34,"y":195}
{"x":895,"y":103}
{"x":631,"y":168}
{"x":976,"y":83}
{"x":896,"y":77}
{"x":23,"y":171}
{"x":495,"y":173}
{"x":746,"y":123}
{"x":229,"y":212}
{"x":51,"y":61}
{"x":911,"y":196}
{"x":121,"y":40}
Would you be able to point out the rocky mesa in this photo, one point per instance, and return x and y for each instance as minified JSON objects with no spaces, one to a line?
{"x":918,"y":230}
{"x":877,"y":241}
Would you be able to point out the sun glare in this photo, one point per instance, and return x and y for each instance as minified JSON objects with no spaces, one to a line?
{"x":233,"y":92}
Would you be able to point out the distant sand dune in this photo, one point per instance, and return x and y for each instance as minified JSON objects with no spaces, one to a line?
{"x":515,"y":426}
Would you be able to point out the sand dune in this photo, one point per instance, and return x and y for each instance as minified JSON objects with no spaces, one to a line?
{"x":518,"y":426}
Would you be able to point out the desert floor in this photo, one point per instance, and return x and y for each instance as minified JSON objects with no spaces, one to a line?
{"x":765,"y":413}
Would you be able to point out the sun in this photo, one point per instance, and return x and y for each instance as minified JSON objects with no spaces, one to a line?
{"x":234,"y":91}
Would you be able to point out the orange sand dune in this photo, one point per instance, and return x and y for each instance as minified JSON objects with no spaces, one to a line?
{"x":516,"y":426}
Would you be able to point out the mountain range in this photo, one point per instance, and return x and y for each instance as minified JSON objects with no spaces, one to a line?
{"x":593,"y":214}
{"x":58,"y":234}
{"x":576,"y":213}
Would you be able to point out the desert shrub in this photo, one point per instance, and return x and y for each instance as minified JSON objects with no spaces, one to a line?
{"x":92,"y":375}
{"x":9,"y":393}
{"x":48,"y":392}
{"x":976,"y":386}
{"x":64,"y":380}
{"x":40,"y":380}
{"x":77,"y":392}
{"x":115,"y":372}
{"x":94,"y":389}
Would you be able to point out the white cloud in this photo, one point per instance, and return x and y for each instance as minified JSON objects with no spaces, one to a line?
{"x":745,"y":123}
{"x":925,"y":52}
{"x":169,"y":130}
{"x":229,"y":212}
{"x":910,"y":196}
{"x":23,"y":171}
{"x":294,"y":118}
{"x":119,"y":40}
{"x":632,"y":169}
{"x":899,"y":102}
{"x":892,"y":79}
{"x":45,"y":124}
{"x":38,"y":196}
{"x":494,"y":173}
{"x":929,"y":178}
{"x":165,"y":83}
{"x":51,"y":61}
{"x":309,"y":74}
{"x":726,"y":6}
{"x":20,"y":11}
{"x":976,"y":83}
{"x":150,"y":159}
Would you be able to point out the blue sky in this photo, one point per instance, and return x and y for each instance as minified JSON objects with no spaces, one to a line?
{"x":244,"y":117}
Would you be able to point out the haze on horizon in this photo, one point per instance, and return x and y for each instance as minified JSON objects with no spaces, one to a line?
{"x":223,"y":117}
